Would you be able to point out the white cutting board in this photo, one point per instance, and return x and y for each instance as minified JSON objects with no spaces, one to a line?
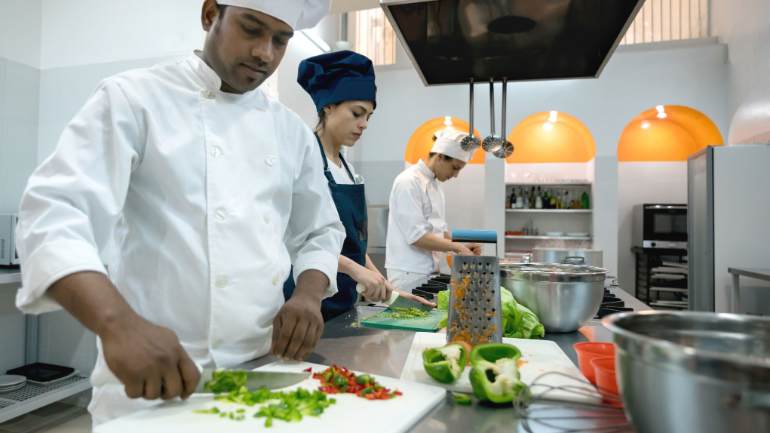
{"x":350,"y":414}
{"x":540,"y":356}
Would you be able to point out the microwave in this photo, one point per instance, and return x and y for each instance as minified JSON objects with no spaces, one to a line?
{"x":660,"y":225}
{"x":8,"y":256}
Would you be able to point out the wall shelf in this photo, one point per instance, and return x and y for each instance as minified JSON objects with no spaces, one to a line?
{"x":564,"y":183}
{"x":32,"y":397}
{"x":555,"y":238}
{"x":552,"y":211}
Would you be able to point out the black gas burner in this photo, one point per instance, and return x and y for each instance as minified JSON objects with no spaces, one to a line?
{"x":434,"y":285}
{"x":611,"y":304}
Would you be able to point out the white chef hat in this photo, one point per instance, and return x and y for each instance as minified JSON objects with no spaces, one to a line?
{"x":299,"y":14}
{"x":448,"y":143}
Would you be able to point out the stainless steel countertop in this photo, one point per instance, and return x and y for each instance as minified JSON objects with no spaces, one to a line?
{"x":384,"y":352}
{"x":757,"y":273}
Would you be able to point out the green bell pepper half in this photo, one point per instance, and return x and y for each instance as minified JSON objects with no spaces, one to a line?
{"x":494,"y":373}
{"x":445,"y":364}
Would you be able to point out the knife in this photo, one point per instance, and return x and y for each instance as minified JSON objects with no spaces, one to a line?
{"x":393,"y":295}
{"x":256,"y":379}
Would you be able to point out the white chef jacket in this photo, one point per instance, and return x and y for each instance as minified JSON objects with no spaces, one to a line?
{"x":208,"y":198}
{"x":417,"y":207}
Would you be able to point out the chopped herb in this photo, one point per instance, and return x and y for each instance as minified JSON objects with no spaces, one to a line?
{"x":404,"y":313}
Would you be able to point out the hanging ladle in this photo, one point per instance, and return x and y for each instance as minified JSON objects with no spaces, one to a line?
{"x":505,"y":148}
{"x":470,"y":142}
{"x":491,"y":143}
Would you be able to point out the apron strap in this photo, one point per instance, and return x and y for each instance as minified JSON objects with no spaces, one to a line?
{"x":345,"y":164}
{"x":327,"y":172}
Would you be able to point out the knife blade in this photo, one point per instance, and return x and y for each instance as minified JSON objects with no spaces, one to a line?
{"x":256,"y":379}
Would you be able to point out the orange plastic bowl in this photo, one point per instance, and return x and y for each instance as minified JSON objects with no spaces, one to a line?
{"x":588,"y":350}
{"x":606,"y":379}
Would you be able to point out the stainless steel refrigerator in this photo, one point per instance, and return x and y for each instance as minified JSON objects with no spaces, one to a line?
{"x":728,"y":225}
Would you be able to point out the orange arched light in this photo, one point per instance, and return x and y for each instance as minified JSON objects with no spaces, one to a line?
{"x":551,"y":137}
{"x":667,"y":133}
{"x":421,"y":141}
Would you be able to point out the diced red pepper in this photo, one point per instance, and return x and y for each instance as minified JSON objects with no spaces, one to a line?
{"x":333,"y":382}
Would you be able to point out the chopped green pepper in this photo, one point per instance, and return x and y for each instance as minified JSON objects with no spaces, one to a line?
{"x":494,"y":374}
{"x":462,"y":399}
{"x":445,"y":364}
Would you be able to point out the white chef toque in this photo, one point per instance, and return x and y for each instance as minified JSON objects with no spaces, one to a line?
{"x":299,"y":14}
{"x":448,"y":143}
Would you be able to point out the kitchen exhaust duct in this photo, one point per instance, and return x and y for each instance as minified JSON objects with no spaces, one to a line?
{"x":453,"y":41}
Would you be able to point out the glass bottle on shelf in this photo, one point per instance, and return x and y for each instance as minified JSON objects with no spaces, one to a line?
{"x":585,"y":201}
{"x":519,"y":202}
{"x":538,"y":199}
{"x":553,"y":201}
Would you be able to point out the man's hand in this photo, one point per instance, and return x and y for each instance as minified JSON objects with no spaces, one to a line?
{"x":373,"y":284}
{"x":475,"y":248}
{"x":462,"y":250}
{"x":148,"y":360}
{"x":299,"y":324}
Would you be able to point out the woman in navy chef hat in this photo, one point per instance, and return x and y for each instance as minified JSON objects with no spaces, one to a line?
{"x":342,"y":87}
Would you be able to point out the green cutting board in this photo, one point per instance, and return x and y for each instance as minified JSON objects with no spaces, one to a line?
{"x":424,"y":324}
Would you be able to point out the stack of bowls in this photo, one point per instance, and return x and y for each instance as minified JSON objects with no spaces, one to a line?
{"x":597,"y":363}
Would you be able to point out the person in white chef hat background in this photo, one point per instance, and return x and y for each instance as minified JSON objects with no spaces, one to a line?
{"x":208,"y":191}
{"x":418,"y":236}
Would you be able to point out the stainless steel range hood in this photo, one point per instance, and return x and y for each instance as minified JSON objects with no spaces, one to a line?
{"x":450,"y":41}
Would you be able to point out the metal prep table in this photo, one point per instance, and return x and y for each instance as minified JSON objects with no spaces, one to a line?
{"x":737,"y":273}
{"x":384,"y":352}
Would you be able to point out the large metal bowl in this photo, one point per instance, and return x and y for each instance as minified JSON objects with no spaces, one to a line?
{"x":562,"y":296}
{"x":693,"y":372}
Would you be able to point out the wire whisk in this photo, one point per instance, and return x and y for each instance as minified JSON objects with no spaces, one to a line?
{"x":539,"y":411}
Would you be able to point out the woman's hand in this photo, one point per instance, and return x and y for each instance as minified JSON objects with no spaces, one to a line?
{"x":373,"y":284}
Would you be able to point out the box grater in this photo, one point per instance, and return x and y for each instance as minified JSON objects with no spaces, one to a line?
{"x":474,"y":300}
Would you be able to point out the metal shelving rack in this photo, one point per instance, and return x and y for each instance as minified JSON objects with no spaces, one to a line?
{"x":32,"y":396}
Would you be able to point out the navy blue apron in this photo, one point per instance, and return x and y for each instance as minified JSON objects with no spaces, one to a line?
{"x":351,"y":206}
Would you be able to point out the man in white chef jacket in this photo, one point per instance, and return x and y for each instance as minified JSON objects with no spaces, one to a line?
{"x":418,"y":237}
{"x":209,"y":191}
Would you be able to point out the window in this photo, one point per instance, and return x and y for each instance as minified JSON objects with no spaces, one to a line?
{"x":669,"y":20}
{"x":372,"y":36}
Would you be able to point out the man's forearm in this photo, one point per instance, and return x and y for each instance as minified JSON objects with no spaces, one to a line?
{"x":313,"y":283}
{"x":433,"y":242}
{"x":92,"y":299}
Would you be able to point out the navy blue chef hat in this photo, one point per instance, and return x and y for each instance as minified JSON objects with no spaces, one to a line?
{"x":336,"y":77}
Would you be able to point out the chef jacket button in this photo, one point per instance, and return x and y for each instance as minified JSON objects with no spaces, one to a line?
{"x":208,"y":94}
{"x":266,"y":219}
{"x":216,"y":151}
{"x":221,"y":214}
{"x":276,"y":279}
{"x":270,"y":160}
{"x":221,"y":281}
